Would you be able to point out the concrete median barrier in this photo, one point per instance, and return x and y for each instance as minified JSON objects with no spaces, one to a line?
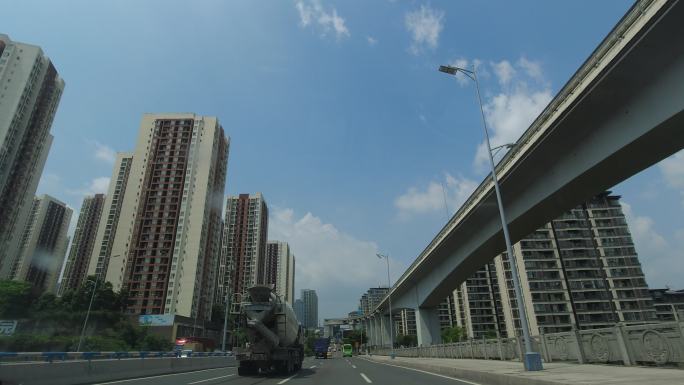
{"x":87,"y":372}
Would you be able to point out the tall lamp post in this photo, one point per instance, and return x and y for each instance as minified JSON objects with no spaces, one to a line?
{"x":532,"y":359}
{"x":389,"y":300}
{"x":90,"y":305}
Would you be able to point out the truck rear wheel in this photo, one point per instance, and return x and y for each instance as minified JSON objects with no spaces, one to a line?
{"x":247,"y":368}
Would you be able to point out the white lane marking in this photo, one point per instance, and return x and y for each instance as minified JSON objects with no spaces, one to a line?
{"x":209,"y":379}
{"x":312,"y":366}
{"x":354,"y":366}
{"x":161,"y":375}
{"x":366,"y":378}
{"x":287,"y":379}
{"x":423,"y":371}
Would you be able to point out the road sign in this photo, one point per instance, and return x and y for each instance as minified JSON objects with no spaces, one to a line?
{"x":7,"y":328}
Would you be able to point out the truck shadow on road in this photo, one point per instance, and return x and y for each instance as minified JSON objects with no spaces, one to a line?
{"x":261,"y":377}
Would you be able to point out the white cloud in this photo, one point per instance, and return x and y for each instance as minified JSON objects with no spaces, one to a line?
{"x":371,"y":40}
{"x":522,"y":95}
{"x":49,"y":183}
{"x":509,"y":114}
{"x":105,"y":153}
{"x":337,"y":265}
{"x":98,"y":185}
{"x":455,"y":190}
{"x":311,"y":12}
{"x":672,"y":170}
{"x":504,"y":71}
{"x":425,"y":25}
{"x":661,"y":260}
{"x":532,"y":68}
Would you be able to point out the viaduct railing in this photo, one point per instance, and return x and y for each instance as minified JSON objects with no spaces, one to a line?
{"x":659,"y":344}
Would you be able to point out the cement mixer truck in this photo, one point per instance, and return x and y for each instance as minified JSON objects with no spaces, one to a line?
{"x":275,"y":340}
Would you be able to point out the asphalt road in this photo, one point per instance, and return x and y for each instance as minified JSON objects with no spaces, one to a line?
{"x":335,"y":371}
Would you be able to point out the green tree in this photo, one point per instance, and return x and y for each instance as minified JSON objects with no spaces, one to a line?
{"x":354,"y":337}
{"x":105,"y":297}
{"x":15,"y":298}
{"x":453,"y":334}
{"x":406,"y":340}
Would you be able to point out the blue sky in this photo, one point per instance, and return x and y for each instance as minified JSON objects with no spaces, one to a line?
{"x":335,"y":111}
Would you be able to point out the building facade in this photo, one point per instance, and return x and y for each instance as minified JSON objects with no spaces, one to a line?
{"x":580,"y":270}
{"x":82,"y":243}
{"x":298,"y":308}
{"x":364,"y":305}
{"x":43,"y":244}
{"x":310,"y":309}
{"x":669,"y":304}
{"x":28,"y":101}
{"x":243,"y":250}
{"x":106,"y":230}
{"x":405,"y":322}
{"x":166,"y":247}
{"x":373,"y":297}
{"x":280,"y":268}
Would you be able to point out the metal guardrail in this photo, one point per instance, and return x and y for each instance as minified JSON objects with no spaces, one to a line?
{"x":658,"y":344}
{"x":6,"y":357}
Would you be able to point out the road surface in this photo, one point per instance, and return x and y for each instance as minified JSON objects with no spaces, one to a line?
{"x":335,"y":371}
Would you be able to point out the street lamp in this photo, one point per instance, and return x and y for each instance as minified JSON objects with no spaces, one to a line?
{"x":90,"y":305}
{"x":532,"y":359}
{"x":389,"y":299}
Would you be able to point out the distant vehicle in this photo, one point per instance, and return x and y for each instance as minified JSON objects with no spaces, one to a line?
{"x":185,"y":353}
{"x":321,"y":346}
{"x":196,"y":344}
{"x":346,"y":350}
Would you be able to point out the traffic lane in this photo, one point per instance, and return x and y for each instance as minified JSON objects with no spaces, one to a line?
{"x":217,"y":376}
{"x":382,"y":373}
{"x":177,"y":378}
{"x":333,"y":371}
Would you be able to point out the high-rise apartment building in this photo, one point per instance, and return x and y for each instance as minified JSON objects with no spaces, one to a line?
{"x":669,"y":304}
{"x":106,"y":230}
{"x":299,"y":310}
{"x":243,"y":253}
{"x":166,"y":248}
{"x":364,"y":304}
{"x":30,"y":93}
{"x":478,"y":304}
{"x":310,"y":309}
{"x":280,"y":266}
{"x":580,"y":270}
{"x":405,"y":322}
{"x":446,"y":312}
{"x":374,"y":296}
{"x":43,"y":244}
{"x":83,"y":241}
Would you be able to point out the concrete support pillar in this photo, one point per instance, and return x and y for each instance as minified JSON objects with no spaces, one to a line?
{"x":376,"y":327}
{"x":386,"y":325}
{"x":427,"y":326}
{"x":371,"y":332}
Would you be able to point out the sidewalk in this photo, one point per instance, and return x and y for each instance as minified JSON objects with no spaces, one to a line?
{"x":492,"y":372}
